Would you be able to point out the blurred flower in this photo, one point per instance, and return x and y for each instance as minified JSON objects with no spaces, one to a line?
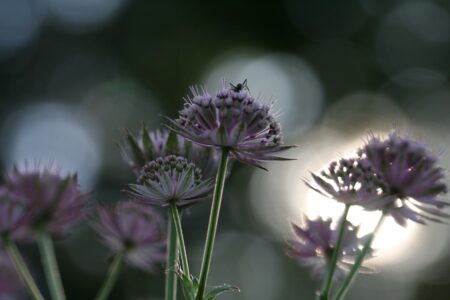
{"x":413,"y":179}
{"x":40,"y":197}
{"x":314,"y":246}
{"x":135,"y":229}
{"x":149,"y":145}
{"x":171,"y":179}
{"x":233,"y":119}
{"x":351,"y":181}
{"x":13,"y":217}
{"x":10,"y":284}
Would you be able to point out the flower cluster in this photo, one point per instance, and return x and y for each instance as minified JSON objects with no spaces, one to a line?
{"x":149,"y":145}
{"x":134,"y":229}
{"x":315,"y":243}
{"x":39,"y":197}
{"x":397,"y":176}
{"x":351,"y":181}
{"x":171,"y":179}
{"x":414,"y":180}
{"x":233,"y":119}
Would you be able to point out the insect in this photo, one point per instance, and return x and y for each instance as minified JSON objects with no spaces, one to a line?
{"x":240,"y":86}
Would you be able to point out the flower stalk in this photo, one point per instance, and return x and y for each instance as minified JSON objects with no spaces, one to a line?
{"x":332,"y":264}
{"x":351,"y":276}
{"x":171,"y":276}
{"x":179,"y":233}
{"x":213,"y":221}
{"x":50,"y":264}
{"x":111,"y":278}
{"x":22,"y":270}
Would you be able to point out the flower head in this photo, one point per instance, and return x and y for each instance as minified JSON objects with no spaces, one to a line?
{"x":232,"y":119}
{"x":314,"y":245}
{"x":149,"y":145}
{"x":136,"y":230}
{"x":40,"y":197}
{"x":414,"y":181}
{"x":351,"y":181}
{"x":171,"y":179}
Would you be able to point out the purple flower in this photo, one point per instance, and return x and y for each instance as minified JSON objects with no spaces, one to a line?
{"x":40,"y":197}
{"x":149,"y":145}
{"x":414,"y":181}
{"x":171,"y":179}
{"x":314,"y":246}
{"x":136,"y":229}
{"x":10,"y":284}
{"x":352,"y":181}
{"x":13,"y":217}
{"x":232,"y":119}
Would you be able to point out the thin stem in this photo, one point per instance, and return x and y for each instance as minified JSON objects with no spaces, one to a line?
{"x":111,"y":277}
{"x":359,"y":260}
{"x":332,"y":264}
{"x":213,"y":220}
{"x":171,"y":261}
{"x":179,"y":232}
{"x":48,"y":258}
{"x":21,"y":268}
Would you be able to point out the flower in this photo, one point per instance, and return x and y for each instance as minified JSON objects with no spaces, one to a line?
{"x":414,"y":181}
{"x":352,"y":181}
{"x":171,"y":179}
{"x":135,"y":229}
{"x":314,"y":245}
{"x":234,"y":120}
{"x":40,"y":197}
{"x":150,"y":145}
{"x":13,"y":217}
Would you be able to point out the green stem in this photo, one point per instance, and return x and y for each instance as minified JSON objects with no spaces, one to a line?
{"x":111,"y":278}
{"x":359,"y":260}
{"x":22,"y":270}
{"x":48,"y":257}
{"x":332,"y":263}
{"x":171,"y":261}
{"x":213,"y":220}
{"x":179,"y":232}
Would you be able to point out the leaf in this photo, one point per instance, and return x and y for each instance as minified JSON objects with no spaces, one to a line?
{"x":149,"y":148}
{"x":172,"y":146}
{"x":137,"y":152}
{"x":189,"y":284}
{"x":217,"y":290}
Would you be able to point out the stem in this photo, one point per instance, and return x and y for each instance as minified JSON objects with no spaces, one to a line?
{"x":111,"y":278}
{"x":21,"y":268}
{"x":213,"y":220}
{"x":171,"y":261}
{"x":351,"y":276}
{"x":179,"y":232}
{"x":48,"y":258}
{"x":332,"y":264}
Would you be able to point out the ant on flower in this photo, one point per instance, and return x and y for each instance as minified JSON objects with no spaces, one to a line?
{"x":240,"y":86}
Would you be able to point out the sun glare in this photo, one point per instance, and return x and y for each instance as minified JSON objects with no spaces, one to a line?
{"x":390,"y":241}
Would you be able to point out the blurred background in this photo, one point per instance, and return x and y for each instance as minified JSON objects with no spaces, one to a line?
{"x":74,"y":73}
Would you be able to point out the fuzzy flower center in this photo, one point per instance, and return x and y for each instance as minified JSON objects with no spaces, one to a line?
{"x":170,"y":166}
{"x":354,"y":176}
